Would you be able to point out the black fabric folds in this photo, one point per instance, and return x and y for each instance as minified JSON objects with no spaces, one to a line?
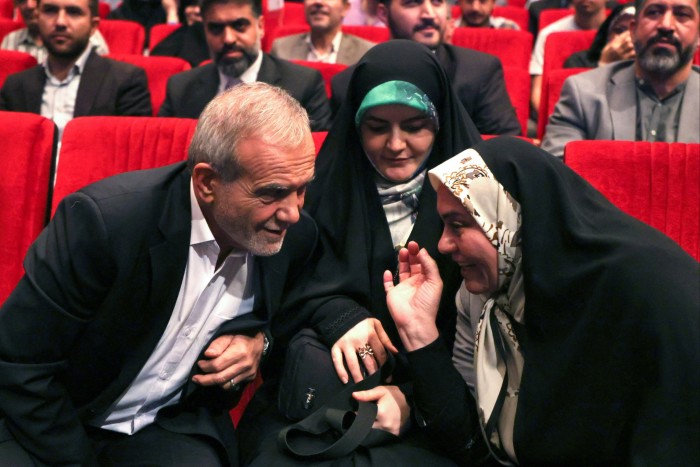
{"x":347,"y":281}
{"x":612,"y":316}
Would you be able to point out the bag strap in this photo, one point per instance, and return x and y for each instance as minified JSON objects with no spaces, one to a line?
{"x":342,"y":414}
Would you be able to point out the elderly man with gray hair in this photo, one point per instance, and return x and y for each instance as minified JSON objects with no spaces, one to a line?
{"x":146,"y":301}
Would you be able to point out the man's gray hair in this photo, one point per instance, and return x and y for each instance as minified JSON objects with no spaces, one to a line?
{"x":247,"y":110}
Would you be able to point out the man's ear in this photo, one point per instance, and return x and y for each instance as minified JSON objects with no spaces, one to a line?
{"x":261,"y":27}
{"x":204,"y":179}
{"x":383,"y":13}
{"x":95,"y":24}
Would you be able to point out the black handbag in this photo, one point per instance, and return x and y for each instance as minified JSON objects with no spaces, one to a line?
{"x":330,"y":423}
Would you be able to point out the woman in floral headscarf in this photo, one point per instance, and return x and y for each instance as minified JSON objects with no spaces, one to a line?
{"x":578,"y":330}
{"x":370,"y":196}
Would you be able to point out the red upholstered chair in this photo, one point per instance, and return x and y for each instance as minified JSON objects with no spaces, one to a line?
{"x":514,"y":13}
{"x":550,"y":15}
{"x":158,"y":71}
{"x":103,"y":9}
{"x":160,"y":32}
{"x":516,"y":3}
{"x":13,"y":62}
{"x":655,"y":182}
{"x":7,"y":9}
{"x":319,"y":138}
{"x":328,"y":70}
{"x":512,"y":47}
{"x":374,"y":34}
{"x":123,"y":37}
{"x":27,"y":143}
{"x":293,"y":13}
{"x":8,"y":25}
{"x":518,"y":88}
{"x":551,"y":90}
{"x":94,"y":148}
{"x":560,"y":46}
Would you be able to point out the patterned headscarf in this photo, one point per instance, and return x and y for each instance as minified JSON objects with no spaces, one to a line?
{"x":498,"y":357}
{"x":398,"y":92}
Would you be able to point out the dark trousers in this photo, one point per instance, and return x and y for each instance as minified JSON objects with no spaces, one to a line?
{"x":153,"y":446}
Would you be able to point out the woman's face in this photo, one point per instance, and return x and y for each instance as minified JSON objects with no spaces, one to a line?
{"x":397,"y":139}
{"x":464,"y":240}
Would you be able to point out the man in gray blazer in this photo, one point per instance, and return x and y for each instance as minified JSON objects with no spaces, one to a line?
{"x":325,"y":42}
{"x":655,"y":97}
{"x":233,"y":30}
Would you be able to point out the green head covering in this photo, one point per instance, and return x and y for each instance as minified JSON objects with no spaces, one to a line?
{"x":397,"y":92}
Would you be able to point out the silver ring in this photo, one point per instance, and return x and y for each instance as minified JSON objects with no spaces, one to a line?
{"x":234,"y":386}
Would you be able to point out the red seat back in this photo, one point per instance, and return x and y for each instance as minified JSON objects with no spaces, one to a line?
{"x":327,"y":70}
{"x":513,"y":48}
{"x":8,"y":25}
{"x":13,"y":62}
{"x":103,"y":9}
{"x":94,"y":148}
{"x":158,"y":71}
{"x":374,"y":34}
{"x":319,"y":138}
{"x":518,"y":88}
{"x":293,"y":13}
{"x":550,"y":15}
{"x":159,"y":32}
{"x":656,"y":183}
{"x":122,"y":36}
{"x":552,"y":83}
{"x":7,"y":9}
{"x":27,"y":144}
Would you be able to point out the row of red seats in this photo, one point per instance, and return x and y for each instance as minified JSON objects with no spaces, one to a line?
{"x":654,"y":182}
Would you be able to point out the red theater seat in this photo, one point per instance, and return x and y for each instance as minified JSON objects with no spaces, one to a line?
{"x":27,"y":144}
{"x":8,"y":25}
{"x":94,"y":148}
{"x":13,"y":62}
{"x":158,"y":71}
{"x":518,"y":88}
{"x":159,"y":32}
{"x":551,"y":90}
{"x":123,"y":37}
{"x":513,"y":48}
{"x":656,"y":183}
{"x":327,"y":70}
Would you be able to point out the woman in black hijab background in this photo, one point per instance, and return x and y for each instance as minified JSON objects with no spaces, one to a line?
{"x":344,"y":299}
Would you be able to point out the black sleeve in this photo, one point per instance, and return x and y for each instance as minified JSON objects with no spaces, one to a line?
{"x":134,"y":99}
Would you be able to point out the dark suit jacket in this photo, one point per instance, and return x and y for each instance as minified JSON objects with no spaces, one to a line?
{"x":478,"y":80}
{"x":100,"y":285}
{"x":107,"y":87}
{"x":186,"y":42}
{"x":190,"y":91}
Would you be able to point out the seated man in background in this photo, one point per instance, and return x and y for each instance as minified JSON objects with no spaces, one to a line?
{"x":476,"y":77}
{"x":326,"y":42}
{"x":654,"y":97}
{"x":187,"y":42}
{"x":234,"y":30}
{"x":477,"y":14}
{"x":74,"y":81}
{"x":587,"y":15}
{"x":28,"y":39}
{"x":146,"y":300}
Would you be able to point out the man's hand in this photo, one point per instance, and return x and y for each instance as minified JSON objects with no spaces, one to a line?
{"x":414,"y":301}
{"x":345,"y":350}
{"x":231,"y":360}
{"x":392,"y":409}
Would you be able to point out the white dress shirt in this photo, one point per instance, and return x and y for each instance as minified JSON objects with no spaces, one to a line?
{"x":208,"y":297}
{"x":315,"y":55}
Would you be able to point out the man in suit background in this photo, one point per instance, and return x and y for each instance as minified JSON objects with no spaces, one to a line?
{"x":326,"y":42}
{"x":476,"y":77}
{"x":145,"y":301}
{"x":234,"y":31}
{"x":74,"y":81}
{"x":654,"y":97}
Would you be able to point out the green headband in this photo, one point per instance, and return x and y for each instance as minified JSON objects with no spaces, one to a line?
{"x":397,"y":92}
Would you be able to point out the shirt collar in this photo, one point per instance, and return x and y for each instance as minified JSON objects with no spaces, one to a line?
{"x":335,"y":43}
{"x":248,"y":76}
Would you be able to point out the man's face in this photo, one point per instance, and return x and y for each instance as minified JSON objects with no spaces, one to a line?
{"x":325,"y":15}
{"x":665,"y":35}
{"x":423,"y":21}
{"x":65,"y":26}
{"x":234,"y":36}
{"x":476,"y":13}
{"x":27,"y":9}
{"x":254,"y":211}
{"x":588,"y":7}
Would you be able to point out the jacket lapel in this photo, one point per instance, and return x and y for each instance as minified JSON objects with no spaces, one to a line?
{"x":93,"y":76}
{"x":690,"y":110}
{"x":268,"y":71}
{"x":621,"y":95}
{"x":34,"y":89}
